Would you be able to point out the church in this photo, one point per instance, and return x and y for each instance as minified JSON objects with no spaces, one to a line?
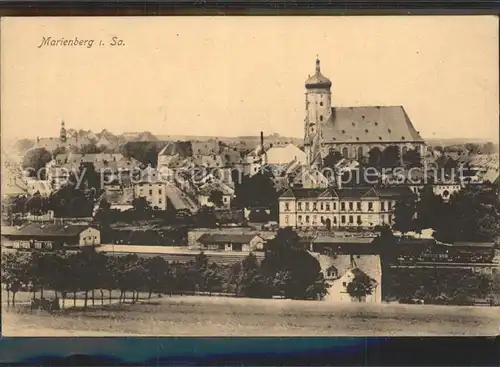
{"x":352,"y":131}
{"x":65,"y":140}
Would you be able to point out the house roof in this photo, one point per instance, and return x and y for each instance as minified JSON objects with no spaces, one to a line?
{"x":49,"y":230}
{"x":207,"y":188}
{"x":217,"y":238}
{"x":369,"y":124}
{"x":347,"y":192}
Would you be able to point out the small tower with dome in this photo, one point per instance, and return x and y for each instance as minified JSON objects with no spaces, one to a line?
{"x":63,"y":134}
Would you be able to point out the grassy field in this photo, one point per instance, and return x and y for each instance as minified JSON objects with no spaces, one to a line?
{"x":214,"y":316}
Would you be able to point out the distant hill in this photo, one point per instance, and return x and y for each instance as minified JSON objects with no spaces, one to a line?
{"x":275,"y":138}
{"x":459,"y":141}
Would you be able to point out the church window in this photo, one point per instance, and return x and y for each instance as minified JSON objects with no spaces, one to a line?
{"x":376,"y":123}
{"x":366,"y":130}
{"x":379,"y":138}
{"x":353,"y":123}
{"x":321,"y":117}
{"x":321,"y":103}
{"x":357,"y":138}
{"x":389,"y":130}
{"x":343,"y":131}
{"x":402,"y":138}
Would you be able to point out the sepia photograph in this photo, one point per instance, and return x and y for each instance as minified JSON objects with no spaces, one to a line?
{"x":250,"y":176}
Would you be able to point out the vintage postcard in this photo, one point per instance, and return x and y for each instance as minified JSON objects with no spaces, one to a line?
{"x":250,"y":176}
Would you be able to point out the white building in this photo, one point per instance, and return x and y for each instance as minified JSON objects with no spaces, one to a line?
{"x":153,"y":189}
{"x":339,"y":208}
{"x":340,"y":270}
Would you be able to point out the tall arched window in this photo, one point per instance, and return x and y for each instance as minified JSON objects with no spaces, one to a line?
{"x":345,"y":152}
{"x":360,"y":152}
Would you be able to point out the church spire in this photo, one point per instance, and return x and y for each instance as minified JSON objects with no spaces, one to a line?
{"x":63,"y":132}
{"x":318,"y":69}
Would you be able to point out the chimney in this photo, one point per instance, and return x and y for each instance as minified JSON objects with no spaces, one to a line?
{"x":262,"y":139}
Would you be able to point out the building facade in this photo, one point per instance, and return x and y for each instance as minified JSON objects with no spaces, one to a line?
{"x":231,"y":242}
{"x":153,"y":189}
{"x":51,"y":236}
{"x":339,"y":208}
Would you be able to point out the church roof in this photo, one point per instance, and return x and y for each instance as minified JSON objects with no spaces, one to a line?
{"x":369,"y":124}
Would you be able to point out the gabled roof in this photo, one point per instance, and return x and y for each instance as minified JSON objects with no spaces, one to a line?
{"x":288,"y":194}
{"x":369,"y":124}
{"x":302,"y":193}
{"x":207,"y":188}
{"x":354,"y":193}
{"x":49,"y":230}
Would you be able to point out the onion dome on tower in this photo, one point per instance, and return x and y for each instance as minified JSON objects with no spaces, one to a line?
{"x":318,"y":80}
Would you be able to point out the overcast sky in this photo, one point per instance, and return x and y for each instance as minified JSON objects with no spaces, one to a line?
{"x":228,"y":76}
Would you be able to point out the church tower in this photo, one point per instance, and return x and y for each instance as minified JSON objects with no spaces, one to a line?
{"x":318,"y":112}
{"x":62,"y":135}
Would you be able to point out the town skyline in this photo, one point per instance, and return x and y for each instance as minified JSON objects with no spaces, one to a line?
{"x":196,"y":92}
